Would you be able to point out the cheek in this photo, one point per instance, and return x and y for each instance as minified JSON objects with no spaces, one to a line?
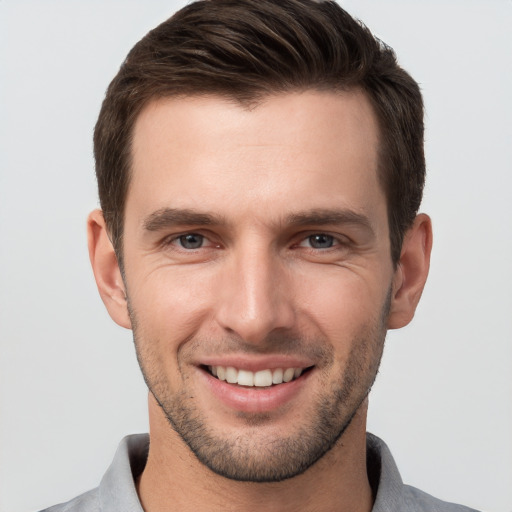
{"x":174,"y":303}
{"x":342,"y":304}
{"x":170,"y":305}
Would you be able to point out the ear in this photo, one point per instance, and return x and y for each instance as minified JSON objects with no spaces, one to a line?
{"x":411,"y":272}
{"x":106,"y":269}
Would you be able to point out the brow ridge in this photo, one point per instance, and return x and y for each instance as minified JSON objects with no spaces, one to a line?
{"x":321,"y":216}
{"x":169,"y":217}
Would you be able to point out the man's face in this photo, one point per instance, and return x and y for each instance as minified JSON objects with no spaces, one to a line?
{"x":256,"y":248}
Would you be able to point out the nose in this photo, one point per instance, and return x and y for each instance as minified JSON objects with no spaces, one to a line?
{"x":255,"y":296}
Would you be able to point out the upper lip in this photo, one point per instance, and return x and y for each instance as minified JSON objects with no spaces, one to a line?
{"x":256,"y":363}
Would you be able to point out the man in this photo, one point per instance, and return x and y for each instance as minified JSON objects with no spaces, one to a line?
{"x":260,"y":168}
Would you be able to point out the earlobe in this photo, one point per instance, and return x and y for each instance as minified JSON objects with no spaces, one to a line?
{"x":106,"y":269}
{"x":411,"y":272}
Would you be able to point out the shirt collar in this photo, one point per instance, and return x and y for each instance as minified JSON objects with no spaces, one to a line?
{"x":384,"y":477}
{"x":117,"y":492}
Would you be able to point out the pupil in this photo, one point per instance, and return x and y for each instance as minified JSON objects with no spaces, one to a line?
{"x":191,"y":241}
{"x":321,"y":241}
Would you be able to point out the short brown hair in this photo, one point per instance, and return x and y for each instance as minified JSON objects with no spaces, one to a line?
{"x":246,"y":49}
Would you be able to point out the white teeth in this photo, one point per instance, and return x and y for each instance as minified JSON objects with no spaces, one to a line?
{"x":221,"y":372}
{"x":245,"y":378}
{"x":277,"y":376}
{"x":262,"y":378}
{"x":288,"y":374}
{"x":231,"y":375}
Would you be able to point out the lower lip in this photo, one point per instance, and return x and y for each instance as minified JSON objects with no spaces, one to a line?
{"x":254,"y":399}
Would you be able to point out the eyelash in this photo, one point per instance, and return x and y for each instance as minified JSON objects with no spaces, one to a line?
{"x":175,"y":240}
{"x":336,"y":240}
{"x":327,"y":237}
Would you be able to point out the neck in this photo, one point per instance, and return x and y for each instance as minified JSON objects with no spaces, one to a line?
{"x":174,"y":479}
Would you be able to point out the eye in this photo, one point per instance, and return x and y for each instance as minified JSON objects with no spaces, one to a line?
{"x":320,"y":241}
{"x":191,"y":241}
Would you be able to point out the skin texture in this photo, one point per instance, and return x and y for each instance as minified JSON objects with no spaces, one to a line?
{"x":256,"y":187}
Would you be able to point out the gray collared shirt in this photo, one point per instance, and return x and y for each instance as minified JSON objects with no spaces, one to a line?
{"x":117,"y":493}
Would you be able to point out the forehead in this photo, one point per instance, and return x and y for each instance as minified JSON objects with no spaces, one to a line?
{"x":294,"y":149}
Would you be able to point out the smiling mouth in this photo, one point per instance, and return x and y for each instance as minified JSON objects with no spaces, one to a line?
{"x":261,"y":379}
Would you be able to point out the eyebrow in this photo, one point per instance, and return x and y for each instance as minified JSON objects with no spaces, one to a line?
{"x":165,"y":218}
{"x":324,"y":217}
{"x":170,"y":217}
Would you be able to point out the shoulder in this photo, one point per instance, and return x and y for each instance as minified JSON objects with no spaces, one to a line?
{"x":420,"y":501}
{"x":116,"y":491}
{"x":391,"y":493}
{"x":87,"y":502}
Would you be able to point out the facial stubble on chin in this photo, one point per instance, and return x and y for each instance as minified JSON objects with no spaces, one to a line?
{"x":254,"y":455}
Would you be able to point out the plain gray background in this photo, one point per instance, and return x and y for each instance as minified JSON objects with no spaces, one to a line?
{"x":70,"y":387}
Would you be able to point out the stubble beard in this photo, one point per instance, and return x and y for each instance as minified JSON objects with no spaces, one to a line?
{"x":251,"y":456}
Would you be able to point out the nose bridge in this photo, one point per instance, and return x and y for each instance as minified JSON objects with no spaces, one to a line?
{"x":254,"y":299}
